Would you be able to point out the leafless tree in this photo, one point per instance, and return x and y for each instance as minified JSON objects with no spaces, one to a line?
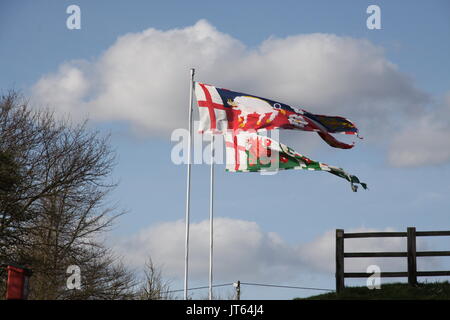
{"x":155,"y":287}
{"x":53,"y":190}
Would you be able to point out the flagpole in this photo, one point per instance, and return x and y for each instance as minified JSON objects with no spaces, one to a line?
{"x":211,"y":215}
{"x":188,"y":186}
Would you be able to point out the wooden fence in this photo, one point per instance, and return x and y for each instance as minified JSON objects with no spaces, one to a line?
{"x":411,"y":255}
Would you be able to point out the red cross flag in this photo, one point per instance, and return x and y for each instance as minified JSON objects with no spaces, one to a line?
{"x":222,"y":110}
{"x":250,"y":152}
{"x":213,"y":114}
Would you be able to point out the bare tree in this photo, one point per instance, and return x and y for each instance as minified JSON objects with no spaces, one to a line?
{"x":154,"y":287}
{"x":54,"y":184}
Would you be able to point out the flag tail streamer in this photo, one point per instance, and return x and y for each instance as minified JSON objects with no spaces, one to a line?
{"x":251,"y":152}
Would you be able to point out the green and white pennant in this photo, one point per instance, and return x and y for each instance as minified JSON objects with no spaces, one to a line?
{"x":250,"y":152}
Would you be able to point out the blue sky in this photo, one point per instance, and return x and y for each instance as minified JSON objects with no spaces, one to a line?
{"x":289,"y":211}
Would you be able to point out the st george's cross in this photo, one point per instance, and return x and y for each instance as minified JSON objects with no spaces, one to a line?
{"x":215,"y":117}
{"x":221,"y":110}
{"x":251,"y":152}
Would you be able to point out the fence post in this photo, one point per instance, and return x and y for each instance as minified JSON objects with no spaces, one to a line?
{"x":339,"y":260}
{"x":412,"y":261}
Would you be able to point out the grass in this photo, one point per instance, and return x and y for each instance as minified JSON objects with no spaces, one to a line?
{"x":391,"y":291}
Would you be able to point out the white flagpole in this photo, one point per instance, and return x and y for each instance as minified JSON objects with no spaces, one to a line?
{"x":188,"y":186}
{"x":211,"y":215}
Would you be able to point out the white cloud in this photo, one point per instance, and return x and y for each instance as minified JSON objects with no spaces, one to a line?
{"x":143,"y":78}
{"x":63,"y":90}
{"x":242,"y":250}
{"x":425,"y":141}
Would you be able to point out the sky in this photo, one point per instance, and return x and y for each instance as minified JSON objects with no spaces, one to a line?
{"x":127,"y":69}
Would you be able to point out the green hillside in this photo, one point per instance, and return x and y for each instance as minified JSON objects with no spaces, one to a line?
{"x":392,"y":291}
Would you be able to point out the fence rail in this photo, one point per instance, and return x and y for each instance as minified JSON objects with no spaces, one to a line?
{"x":411,"y":254}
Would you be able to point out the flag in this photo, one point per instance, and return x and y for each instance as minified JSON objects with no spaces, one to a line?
{"x":221,"y":110}
{"x":250,"y":152}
